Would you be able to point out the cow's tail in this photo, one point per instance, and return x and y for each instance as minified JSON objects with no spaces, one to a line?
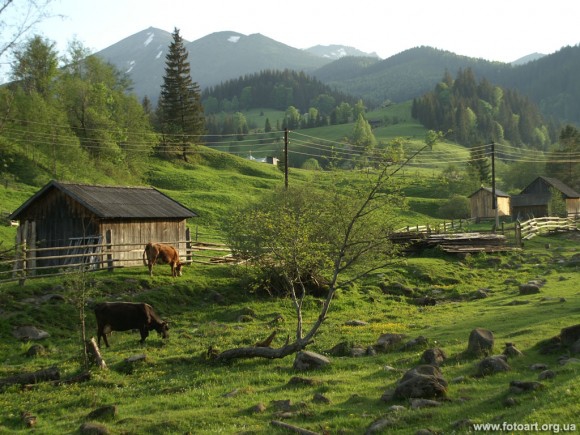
{"x":147,"y":248}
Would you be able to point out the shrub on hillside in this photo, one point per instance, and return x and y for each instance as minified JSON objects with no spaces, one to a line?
{"x":456,"y":207}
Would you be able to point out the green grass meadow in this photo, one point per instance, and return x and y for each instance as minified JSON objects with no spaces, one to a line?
{"x":178,"y":389}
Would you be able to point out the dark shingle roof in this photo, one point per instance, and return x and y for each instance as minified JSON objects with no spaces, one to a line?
{"x":557,"y":184}
{"x":117,"y":202}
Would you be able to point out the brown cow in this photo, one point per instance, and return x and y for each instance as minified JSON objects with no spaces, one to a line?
{"x":123,"y":316}
{"x":163,"y":254}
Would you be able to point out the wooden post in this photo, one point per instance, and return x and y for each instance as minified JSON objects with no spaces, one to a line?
{"x":17,"y":253}
{"x":31,"y":254}
{"x":22,"y":279}
{"x":109,"y":247}
{"x":518,"y":234}
{"x":188,"y":245}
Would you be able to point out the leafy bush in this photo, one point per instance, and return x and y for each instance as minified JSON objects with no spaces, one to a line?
{"x":456,"y":207}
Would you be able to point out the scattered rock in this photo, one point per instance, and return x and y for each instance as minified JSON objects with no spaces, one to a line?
{"x":524,"y":386}
{"x":424,"y":403}
{"x":29,"y":333}
{"x":434,"y":357}
{"x":320,"y":398}
{"x":282,"y":405}
{"x":480,"y":293}
{"x":423,"y":382}
{"x":53,"y":298}
{"x":91,"y":428}
{"x":134,"y":358}
{"x":424,"y":301}
{"x":570,"y":335}
{"x":307,"y":360}
{"x":510,"y":401}
{"x":457,"y":380}
{"x":529,"y":289}
{"x":103,"y":413}
{"x":510,"y":351}
{"x":480,"y":342}
{"x":258,"y":409}
{"x":492,"y":364}
{"x":245,"y":318}
{"x":356,"y":323}
{"x":538,"y":366}
{"x":463,"y":424}
{"x":397,"y":408}
{"x":546,"y":374}
{"x":216,"y":297}
{"x":378,"y":426}
{"x":575,"y":347}
{"x":388,"y":395}
{"x":416,"y":342}
{"x":36,"y":350}
{"x":516,"y":302}
{"x":232,"y":393}
{"x":297,"y":380}
{"x":388,"y":341}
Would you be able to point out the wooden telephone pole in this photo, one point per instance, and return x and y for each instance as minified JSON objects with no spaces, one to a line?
{"x":286,"y":158}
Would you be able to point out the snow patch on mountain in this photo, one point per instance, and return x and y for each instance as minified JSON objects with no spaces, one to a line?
{"x":159,"y":54}
{"x":131,"y":65}
{"x":233,"y":39}
{"x":149,"y":39}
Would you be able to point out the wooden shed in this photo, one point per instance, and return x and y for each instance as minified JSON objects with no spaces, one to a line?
{"x":535,"y":200}
{"x":481,"y":203}
{"x":69,"y":218}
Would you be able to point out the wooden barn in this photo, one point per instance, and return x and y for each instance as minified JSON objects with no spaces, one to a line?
{"x":481,"y":204}
{"x":536,"y":199}
{"x":65,"y":219}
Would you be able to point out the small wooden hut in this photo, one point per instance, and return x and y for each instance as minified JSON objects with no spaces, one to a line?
{"x":535,"y":199}
{"x":75,"y":218}
{"x":481,"y":203}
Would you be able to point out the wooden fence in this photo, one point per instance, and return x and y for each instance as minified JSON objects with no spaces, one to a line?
{"x":97,"y":256}
{"x":545,"y":225}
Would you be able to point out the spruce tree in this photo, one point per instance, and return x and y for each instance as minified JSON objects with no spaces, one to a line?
{"x":180,"y":111}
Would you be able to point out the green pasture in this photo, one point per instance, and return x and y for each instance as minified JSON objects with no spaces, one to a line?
{"x":177,"y":389}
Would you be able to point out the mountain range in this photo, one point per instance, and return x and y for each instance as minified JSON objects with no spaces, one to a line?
{"x":549,"y":80}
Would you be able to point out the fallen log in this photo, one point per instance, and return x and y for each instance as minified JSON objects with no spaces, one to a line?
{"x":45,"y":375}
{"x":93,"y":351}
{"x":293,"y":428}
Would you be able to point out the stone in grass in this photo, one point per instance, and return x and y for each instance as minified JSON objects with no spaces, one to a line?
{"x":423,"y":382}
{"x":306,"y":360}
{"x":107,"y":412}
{"x":546,"y":374}
{"x":434,"y":357}
{"x":510,"y":351}
{"x":379,"y":426}
{"x":90,"y":428}
{"x":525,"y":386}
{"x":491,"y":365}
{"x":480,"y":342}
{"x":258,"y":409}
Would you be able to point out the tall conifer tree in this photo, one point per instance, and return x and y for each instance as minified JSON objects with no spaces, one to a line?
{"x":180,"y":110}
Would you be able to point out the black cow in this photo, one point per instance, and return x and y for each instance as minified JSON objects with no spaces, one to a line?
{"x":123,"y":316}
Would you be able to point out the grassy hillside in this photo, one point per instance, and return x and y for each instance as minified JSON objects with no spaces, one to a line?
{"x":176,"y":389}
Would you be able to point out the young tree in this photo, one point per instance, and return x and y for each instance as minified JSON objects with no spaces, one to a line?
{"x":35,"y":66}
{"x":180,"y":110}
{"x":299,"y":236}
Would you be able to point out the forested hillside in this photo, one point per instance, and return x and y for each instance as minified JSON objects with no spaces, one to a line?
{"x":481,"y":112}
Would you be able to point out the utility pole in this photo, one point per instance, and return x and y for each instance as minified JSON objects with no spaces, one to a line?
{"x":286,"y":158}
{"x":493,"y":195}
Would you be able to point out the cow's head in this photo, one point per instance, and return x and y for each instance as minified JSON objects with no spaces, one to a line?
{"x":178,"y":267}
{"x":162,"y":329}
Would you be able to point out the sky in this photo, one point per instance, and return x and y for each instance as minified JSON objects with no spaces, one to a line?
{"x":500,"y":30}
